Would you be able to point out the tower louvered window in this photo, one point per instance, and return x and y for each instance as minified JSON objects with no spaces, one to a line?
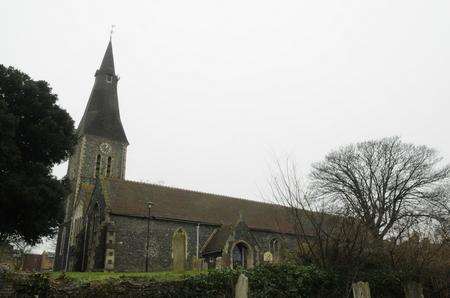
{"x":98,"y":164}
{"x":108,"y":168}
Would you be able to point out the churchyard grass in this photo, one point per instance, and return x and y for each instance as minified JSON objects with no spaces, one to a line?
{"x":85,"y":277}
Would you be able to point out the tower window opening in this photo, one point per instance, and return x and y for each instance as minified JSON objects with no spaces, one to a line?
{"x":108,"y":168}
{"x":98,"y":165}
{"x":108,"y":78}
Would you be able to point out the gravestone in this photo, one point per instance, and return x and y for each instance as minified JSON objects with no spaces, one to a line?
{"x":179,"y":250}
{"x":219,"y":263}
{"x":197,"y":263}
{"x":242,"y":287}
{"x":361,"y":290}
{"x":413,"y":290}
{"x":268,"y":257}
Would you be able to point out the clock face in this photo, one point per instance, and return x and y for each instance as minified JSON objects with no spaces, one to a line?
{"x":105,"y":148}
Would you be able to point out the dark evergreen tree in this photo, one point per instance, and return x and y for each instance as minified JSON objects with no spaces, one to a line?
{"x":35,"y":134}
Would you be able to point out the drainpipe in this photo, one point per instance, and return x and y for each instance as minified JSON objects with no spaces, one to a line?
{"x":198,"y":238}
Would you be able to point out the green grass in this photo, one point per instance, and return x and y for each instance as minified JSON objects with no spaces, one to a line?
{"x":84,"y":277}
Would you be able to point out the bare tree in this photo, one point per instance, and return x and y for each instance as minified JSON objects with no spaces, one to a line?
{"x":322,"y":237}
{"x":386,"y":183}
{"x":366,"y":192}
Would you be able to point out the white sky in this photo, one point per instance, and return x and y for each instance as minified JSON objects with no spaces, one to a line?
{"x":211,"y":90}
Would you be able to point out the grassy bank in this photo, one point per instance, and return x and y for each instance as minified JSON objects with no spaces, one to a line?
{"x":84,"y":277}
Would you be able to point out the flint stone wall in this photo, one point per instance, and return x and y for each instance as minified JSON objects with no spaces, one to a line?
{"x":130,"y":241}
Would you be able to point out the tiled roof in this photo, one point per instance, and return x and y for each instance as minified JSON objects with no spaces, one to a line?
{"x":85,"y":194}
{"x":218,"y":239}
{"x":130,"y":198}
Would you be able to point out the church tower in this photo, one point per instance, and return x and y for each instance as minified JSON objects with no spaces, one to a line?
{"x":100,"y":152}
{"x":102,"y":146}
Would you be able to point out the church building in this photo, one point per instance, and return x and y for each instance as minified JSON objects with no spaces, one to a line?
{"x":112,"y":224}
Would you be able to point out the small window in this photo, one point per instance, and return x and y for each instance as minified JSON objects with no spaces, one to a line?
{"x":108,"y":78}
{"x":109,"y":262}
{"x":98,"y":163}
{"x":108,"y":169}
{"x":111,"y":253}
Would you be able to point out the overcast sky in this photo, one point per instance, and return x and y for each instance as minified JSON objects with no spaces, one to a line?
{"x":211,"y":90}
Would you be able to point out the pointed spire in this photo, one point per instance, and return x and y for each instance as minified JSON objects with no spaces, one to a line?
{"x":101,"y":117}
{"x":107,"y":66}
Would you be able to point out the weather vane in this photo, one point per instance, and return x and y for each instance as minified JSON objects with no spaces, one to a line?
{"x":111,"y":32}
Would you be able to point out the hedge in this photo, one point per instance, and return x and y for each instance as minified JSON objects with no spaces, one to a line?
{"x":287,"y":280}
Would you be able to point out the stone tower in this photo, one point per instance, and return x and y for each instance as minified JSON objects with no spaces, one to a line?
{"x":101,"y":151}
{"x":102,"y":146}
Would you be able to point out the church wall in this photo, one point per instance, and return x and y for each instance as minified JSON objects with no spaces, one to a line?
{"x":130,"y":242}
{"x":265,"y":238}
{"x":61,"y":247}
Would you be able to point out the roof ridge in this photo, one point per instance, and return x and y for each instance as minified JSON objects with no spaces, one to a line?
{"x":191,"y":191}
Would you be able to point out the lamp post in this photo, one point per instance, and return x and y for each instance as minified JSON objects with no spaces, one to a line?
{"x":149,"y":205}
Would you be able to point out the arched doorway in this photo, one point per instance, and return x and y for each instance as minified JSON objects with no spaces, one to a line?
{"x":179,"y":241}
{"x":242,"y":255}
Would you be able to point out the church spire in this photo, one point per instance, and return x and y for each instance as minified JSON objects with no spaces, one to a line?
{"x":101,"y":117}
{"x":107,"y":65}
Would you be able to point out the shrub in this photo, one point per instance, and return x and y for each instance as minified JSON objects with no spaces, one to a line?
{"x":284,"y":280}
{"x":215,"y":283}
{"x":290,"y":280}
{"x":31,"y":284}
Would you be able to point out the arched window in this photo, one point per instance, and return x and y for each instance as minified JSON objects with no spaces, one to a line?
{"x":108,"y":168}
{"x":95,"y":219}
{"x":98,"y":164}
{"x":92,"y":236}
{"x":179,"y":249}
{"x":275,"y":247}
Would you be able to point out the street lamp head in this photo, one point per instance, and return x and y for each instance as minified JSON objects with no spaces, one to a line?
{"x":150,"y":204}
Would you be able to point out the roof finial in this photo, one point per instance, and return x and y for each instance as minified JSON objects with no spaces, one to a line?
{"x":111,"y":32}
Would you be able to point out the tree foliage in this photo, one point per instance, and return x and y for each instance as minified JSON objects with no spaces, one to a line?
{"x":35,"y":134}
{"x":385,"y":183}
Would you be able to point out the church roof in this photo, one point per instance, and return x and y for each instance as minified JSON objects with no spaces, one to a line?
{"x":130,"y":198}
{"x":217,"y":240}
{"x":101,"y":117}
{"x":85,"y":194}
